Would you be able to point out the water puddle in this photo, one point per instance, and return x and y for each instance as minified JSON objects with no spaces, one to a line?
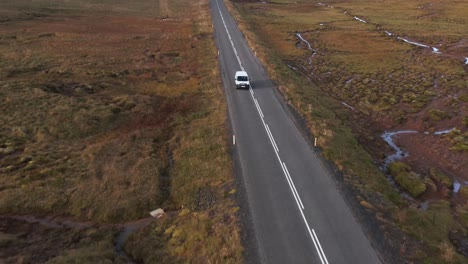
{"x":360,"y":20}
{"x":444,"y":131}
{"x":456,"y":187}
{"x":434,"y":49}
{"x":399,"y":153}
{"x":424,"y":206}
{"x":322,"y":4}
{"x":308,"y":46}
{"x":390,"y":34}
{"x":292,"y":67}
{"x":413,"y":43}
{"x":347,"y":105}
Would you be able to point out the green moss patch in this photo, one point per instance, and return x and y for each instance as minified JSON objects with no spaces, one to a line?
{"x":410,"y":181}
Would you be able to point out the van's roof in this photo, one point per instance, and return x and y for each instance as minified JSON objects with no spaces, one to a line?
{"x":242,"y":73}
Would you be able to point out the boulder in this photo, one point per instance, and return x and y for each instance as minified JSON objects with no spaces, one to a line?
{"x":157,"y":213}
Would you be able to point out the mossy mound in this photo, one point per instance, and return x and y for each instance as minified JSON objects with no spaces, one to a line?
{"x":409,"y":180}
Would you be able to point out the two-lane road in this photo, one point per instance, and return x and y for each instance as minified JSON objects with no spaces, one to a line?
{"x":297,"y":211}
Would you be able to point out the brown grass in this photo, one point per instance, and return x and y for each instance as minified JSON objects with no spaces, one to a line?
{"x":112,"y":112}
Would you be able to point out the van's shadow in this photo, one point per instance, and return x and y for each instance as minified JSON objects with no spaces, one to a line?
{"x":261,"y":84}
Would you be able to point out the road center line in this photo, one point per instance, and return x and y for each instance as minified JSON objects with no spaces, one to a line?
{"x":229,"y":36}
{"x":258,"y":107}
{"x":289,"y":182}
{"x":292,"y":182}
{"x":272,"y":138}
{"x":320,"y":246}
{"x":293,"y":189}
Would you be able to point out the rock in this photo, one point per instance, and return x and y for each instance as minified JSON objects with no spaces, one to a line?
{"x":157,"y":213}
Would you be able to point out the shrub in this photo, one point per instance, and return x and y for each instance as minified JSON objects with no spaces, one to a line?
{"x":397,"y":167}
{"x":464,"y":97}
{"x":408,"y":180}
{"x":441,"y":177}
{"x":437,"y":115}
{"x":411,"y":182}
{"x":458,"y":140}
{"x":464,"y":191}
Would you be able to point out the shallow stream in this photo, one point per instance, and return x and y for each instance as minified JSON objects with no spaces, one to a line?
{"x":400,"y":154}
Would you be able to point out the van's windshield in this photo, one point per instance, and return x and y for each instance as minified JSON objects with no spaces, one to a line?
{"x":242,"y":78}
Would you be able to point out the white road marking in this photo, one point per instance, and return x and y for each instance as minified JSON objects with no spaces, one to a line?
{"x":258,"y":107}
{"x":313,"y":235}
{"x":320,"y":246}
{"x":289,"y":182}
{"x":272,"y":138}
{"x":229,"y":36}
{"x":292,"y":182}
{"x":234,"y":139}
{"x":317,"y":245}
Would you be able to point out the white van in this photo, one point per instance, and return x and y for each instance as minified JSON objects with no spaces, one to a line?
{"x":242,"y":80}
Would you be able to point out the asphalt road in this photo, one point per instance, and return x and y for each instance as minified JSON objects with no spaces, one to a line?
{"x":298,"y":214}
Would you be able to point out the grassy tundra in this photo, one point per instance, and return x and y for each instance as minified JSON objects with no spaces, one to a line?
{"x":372,"y":67}
{"x":109,"y":110}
